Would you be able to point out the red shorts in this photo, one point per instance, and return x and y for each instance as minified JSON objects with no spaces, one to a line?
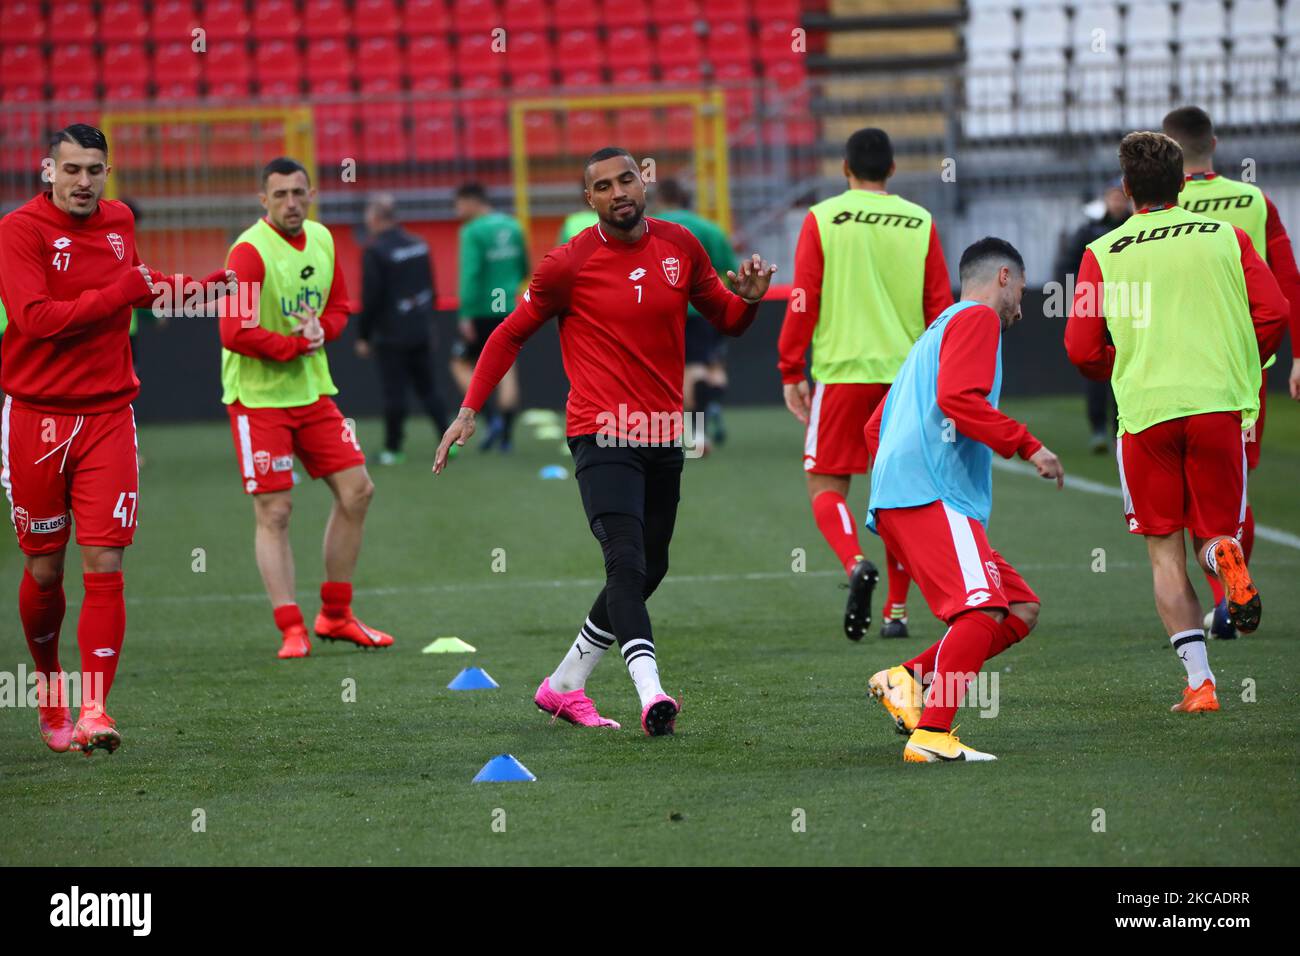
{"x":55,"y":467}
{"x":1185,"y":473}
{"x":266,"y":439}
{"x":834,"y":443}
{"x":1256,"y":435}
{"x":950,"y":558}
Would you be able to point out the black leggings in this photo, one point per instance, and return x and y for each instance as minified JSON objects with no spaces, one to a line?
{"x":398,"y":367}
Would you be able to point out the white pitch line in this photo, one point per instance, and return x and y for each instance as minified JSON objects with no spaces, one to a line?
{"x":1276,"y":535}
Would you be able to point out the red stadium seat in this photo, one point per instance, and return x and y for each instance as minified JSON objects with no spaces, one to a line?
{"x":228,"y":69}
{"x":375,"y":18}
{"x":73,"y":64}
{"x":737,"y":11}
{"x":120,"y":20}
{"x":776,"y":40}
{"x":482,"y":81}
{"x":427,"y":54}
{"x":379,"y":56}
{"x":424,"y":16}
{"x":679,"y":127}
{"x":177,"y":70}
{"x":125,"y":64}
{"x":786,"y":76}
{"x":329,"y":66}
{"x":541,"y":133}
{"x":172,"y":20}
{"x":72,"y":22}
{"x":681,"y":74}
{"x":531,"y":84}
{"x":487,"y":135}
{"x":576,"y":14}
{"x":326,"y":18}
{"x":637,"y":130}
{"x":22,"y":92}
{"x":434,"y":136}
{"x":336,"y":135}
{"x":525,"y":15}
{"x":383,"y":134}
{"x":276,"y":20}
{"x":474,"y":55}
{"x":277,"y":63}
{"x":223,"y":20}
{"x":729,"y":42}
{"x":125,"y":91}
{"x":473,"y":16}
{"x":23,"y":65}
{"x":582,"y":78}
{"x":586,"y":131}
{"x":580,"y":49}
{"x":674,"y":11}
{"x":679,"y":44}
{"x":429,"y":83}
{"x":631,"y":47}
{"x":528,"y":52}
{"x":625,"y":13}
{"x":23,"y":23}
{"x":632,"y":76}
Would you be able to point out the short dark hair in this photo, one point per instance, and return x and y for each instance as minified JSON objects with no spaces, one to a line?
{"x":284,"y":166}
{"x":1153,"y":167}
{"x":1190,"y":126}
{"x":869,"y":154}
{"x":472,"y":191}
{"x":83,"y":135}
{"x":986,"y":252}
{"x":671,"y":193}
{"x":602,"y":154}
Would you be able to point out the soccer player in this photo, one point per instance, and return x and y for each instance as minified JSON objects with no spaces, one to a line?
{"x":932,"y":440}
{"x":620,"y":290}
{"x":1245,"y":206}
{"x":869,"y":276}
{"x":397,"y":303}
{"x":1193,"y":312}
{"x":277,"y":387}
{"x":69,"y":278}
{"x":706,"y":371}
{"x":574,"y":223}
{"x":493,"y":266}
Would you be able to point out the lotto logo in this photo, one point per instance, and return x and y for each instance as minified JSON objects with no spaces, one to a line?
{"x":637,"y":273}
{"x":62,"y":242}
{"x":976,"y":598}
{"x":250,"y":485}
{"x":1132,"y":524}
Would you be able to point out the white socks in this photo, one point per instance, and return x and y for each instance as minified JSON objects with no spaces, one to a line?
{"x":1190,"y":648}
{"x":644,"y":669}
{"x":582,"y":658}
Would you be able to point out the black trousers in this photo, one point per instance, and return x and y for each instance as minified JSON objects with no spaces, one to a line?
{"x":400,"y":367}
{"x":1102,"y":415}
{"x":630,"y":496}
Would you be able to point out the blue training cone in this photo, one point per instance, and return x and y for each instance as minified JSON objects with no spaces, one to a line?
{"x":473,"y":678}
{"x":503,"y":769}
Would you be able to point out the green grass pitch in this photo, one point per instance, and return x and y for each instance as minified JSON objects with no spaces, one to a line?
{"x":776,"y":719}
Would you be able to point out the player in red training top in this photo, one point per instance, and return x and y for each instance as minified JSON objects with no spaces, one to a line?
{"x":620,"y":289}
{"x":69,"y":277}
{"x":1243,"y":205}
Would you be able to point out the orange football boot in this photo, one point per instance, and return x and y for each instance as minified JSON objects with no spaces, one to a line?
{"x":296,"y":642}
{"x":1243,"y":598}
{"x":96,"y":731}
{"x":1201,"y":700}
{"x":350,"y":629}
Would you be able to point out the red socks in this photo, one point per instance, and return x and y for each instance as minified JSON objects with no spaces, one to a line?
{"x":1247,"y":546}
{"x":1012,"y":630}
{"x":41,"y":610}
{"x":899,"y":582}
{"x":836,"y":524}
{"x":100,"y":630}
{"x":336,"y":599}
{"x":286,"y":616}
{"x":959,"y":657}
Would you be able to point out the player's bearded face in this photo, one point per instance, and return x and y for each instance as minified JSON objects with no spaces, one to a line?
{"x":78,"y":178}
{"x":286,"y":201}
{"x":617,"y":192}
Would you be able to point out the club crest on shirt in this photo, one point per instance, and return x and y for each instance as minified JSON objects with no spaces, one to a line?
{"x":20,"y":519}
{"x":262,"y":461}
{"x":995,"y":575}
{"x":119,"y":247}
{"x":672,"y":270}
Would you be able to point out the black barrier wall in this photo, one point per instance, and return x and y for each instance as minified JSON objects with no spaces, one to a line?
{"x":180,"y":366}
